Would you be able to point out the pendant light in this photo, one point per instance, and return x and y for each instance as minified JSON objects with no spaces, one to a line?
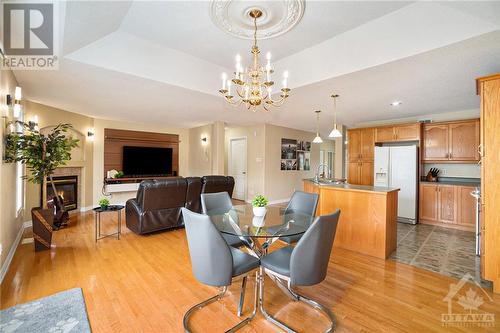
{"x":335,"y":133}
{"x":317,"y":139}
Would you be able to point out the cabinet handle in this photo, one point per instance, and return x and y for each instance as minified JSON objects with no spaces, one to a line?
{"x":480,"y":150}
{"x":451,"y":156}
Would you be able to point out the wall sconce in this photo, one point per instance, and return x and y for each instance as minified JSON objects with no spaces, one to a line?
{"x":16,"y":102}
{"x":204,"y":141}
{"x":91,"y":133}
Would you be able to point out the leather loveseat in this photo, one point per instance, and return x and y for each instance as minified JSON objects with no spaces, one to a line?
{"x":158,"y":203}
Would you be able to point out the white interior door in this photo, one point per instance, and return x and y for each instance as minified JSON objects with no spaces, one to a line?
{"x":238,"y":166}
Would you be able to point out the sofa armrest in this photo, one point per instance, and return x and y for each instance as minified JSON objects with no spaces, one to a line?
{"x":133,"y":215}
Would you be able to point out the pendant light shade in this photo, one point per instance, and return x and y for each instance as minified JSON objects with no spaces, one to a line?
{"x":318,"y":138}
{"x":335,"y":133}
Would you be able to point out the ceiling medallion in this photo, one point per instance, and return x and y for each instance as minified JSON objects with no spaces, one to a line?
{"x":277,"y":17}
{"x":253,"y":85}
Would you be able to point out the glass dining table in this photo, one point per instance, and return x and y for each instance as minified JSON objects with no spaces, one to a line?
{"x":258,"y":233}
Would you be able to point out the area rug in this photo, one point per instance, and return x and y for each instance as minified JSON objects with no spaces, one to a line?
{"x":59,"y":313}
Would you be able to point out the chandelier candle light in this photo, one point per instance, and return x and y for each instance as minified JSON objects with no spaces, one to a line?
{"x":253,"y":85}
{"x":335,"y":133}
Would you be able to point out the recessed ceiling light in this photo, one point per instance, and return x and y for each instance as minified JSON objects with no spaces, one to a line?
{"x":396,"y":103}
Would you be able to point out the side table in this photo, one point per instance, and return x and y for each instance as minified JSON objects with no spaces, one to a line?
{"x":97,"y":219}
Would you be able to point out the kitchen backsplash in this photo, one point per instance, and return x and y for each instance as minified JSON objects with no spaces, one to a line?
{"x":456,"y":170}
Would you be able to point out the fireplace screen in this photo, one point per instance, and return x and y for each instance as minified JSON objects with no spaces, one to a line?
{"x":67,"y":188}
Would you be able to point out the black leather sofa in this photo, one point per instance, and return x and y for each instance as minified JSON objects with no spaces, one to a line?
{"x":158,"y":203}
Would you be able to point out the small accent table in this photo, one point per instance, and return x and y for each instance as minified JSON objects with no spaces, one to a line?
{"x":97,"y":219}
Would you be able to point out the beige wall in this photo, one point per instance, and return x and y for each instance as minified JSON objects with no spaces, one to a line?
{"x":200,"y":153}
{"x":80,"y":157}
{"x":98,"y":160}
{"x":10,"y":224}
{"x":279,"y":185}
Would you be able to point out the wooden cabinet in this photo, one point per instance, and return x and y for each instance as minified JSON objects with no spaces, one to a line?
{"x":451,"y":142}
{"x":435,"y":143}
{"x":451,"y":204}
{"x":384,"y":134}
{"x":360,"y":173}
{"x":353,"y":173}
{"x":366,"y":173}
{"x":447,"y":203}
{"x":428,"y":202}
{"x":367,"y":144}
{"x":467,"y":207}
{"x":464,"y":141}
{"x":405,"y":132}
{"x":354,"y":145}
{"x":489,"y":90}
{"x":361,"y":147}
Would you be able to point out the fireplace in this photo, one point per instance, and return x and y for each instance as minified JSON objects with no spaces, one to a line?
{"x":67,"y":188}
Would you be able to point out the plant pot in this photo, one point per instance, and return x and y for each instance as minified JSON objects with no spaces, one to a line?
{"x":259,"y":211}
{"x":104,"y":207}
{"x":43,"y":224}
{"x":258,"y":221}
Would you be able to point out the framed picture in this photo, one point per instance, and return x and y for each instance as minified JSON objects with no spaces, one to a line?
{"x":288,"y":149}
{"x":295,"y":155}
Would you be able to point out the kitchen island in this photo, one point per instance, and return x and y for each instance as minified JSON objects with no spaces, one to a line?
{"x":368,"y":215}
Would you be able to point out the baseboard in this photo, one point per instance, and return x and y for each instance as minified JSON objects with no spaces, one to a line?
{"x":12,"y":251}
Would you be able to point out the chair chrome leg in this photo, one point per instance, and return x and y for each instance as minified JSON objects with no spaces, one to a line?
{"x":275,"y":321}
{"x":219,"y":296}
{"x":185,"y":320}
{"x":318,"y":306}
{"x":242,"y":296}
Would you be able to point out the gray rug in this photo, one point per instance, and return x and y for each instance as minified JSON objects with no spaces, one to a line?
{"x":59,"y":313}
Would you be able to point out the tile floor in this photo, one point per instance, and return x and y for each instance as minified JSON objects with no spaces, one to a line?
{"x":442,"y":250}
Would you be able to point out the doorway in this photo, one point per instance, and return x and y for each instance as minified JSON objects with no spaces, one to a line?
{"x":238,"y":166}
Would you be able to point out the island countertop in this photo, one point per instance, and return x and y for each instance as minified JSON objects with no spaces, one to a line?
{"x":365,"y":188}
{"x":368,"y":215}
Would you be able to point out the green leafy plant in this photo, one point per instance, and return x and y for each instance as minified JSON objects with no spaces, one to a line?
{"x":41,"y":154}
{"x":259,"y":201}
{"x":119,"y":174}
{"x":104,"y":202}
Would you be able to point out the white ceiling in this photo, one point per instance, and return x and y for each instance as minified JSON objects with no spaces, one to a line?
{"x":161,"y":61}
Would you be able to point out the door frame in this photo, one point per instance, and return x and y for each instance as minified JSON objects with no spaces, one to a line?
{"x":229,"y":159}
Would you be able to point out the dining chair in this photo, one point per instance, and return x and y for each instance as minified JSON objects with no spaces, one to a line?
{"x":305,"y":264}
{"x":214,"y":263}
{"x":301,"y":202}
{"x":220,"y":201}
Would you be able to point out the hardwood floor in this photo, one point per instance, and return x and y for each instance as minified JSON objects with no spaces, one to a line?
{"x":144,"y":284}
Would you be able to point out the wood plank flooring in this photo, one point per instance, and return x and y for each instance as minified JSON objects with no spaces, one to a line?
{"x":144,"y":284}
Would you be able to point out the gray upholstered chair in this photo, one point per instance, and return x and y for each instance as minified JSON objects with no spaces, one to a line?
{"x":220,"y":201}
{"x":214,"y":262}
{"x":301,"y":202}
{"x":305,"y":264}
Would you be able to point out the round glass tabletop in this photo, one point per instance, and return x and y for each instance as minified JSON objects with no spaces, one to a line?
{"x":240,"y":221}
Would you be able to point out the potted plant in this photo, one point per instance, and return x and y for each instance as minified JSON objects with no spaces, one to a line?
{"x":42,"y":154}
{"x":104,"y":203}
{"x":259,"y":204}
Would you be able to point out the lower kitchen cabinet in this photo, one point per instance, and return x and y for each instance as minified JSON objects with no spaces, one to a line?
{"x":447,"y":204}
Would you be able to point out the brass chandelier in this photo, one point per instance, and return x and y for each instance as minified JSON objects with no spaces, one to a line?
{"x":253,"y":85}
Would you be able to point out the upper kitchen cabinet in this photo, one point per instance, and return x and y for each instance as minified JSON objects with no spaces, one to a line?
{"x":405,"y":132}
{"x":361,"y":143}
{"x":451,"y":142}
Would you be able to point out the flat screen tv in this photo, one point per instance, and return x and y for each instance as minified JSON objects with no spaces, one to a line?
{"x":147,"y":161}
